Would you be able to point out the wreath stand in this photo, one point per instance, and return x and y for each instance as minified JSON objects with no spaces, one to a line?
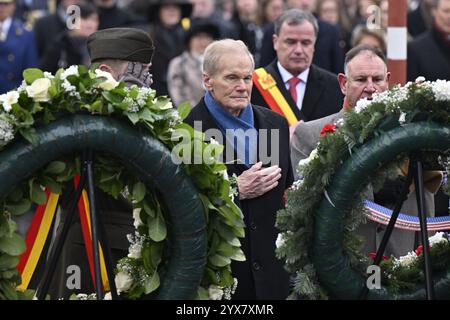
{"x":97,"y":229}
{"x":415,"y":172}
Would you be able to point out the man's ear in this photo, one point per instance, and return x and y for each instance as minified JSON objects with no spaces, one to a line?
{"x":342,"y":83}
{"x":105,"y":67}
{"x":207,"y":81}
{"x":388,"y":76}
{"x":274,"y":42}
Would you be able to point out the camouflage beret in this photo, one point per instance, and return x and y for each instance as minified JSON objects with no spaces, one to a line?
{"x":121,"y":43}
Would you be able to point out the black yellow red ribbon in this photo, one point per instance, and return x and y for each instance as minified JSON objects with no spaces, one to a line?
{"x":267,"y":86}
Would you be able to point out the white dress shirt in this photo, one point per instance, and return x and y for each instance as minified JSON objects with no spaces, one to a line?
{"x":301,"y":86}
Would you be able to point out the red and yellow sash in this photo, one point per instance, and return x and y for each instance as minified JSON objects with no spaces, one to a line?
{"x":39,"y":230}
{"x":272,"y":95}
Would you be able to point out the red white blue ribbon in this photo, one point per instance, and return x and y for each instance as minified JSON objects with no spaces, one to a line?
{"x":404,"y":221}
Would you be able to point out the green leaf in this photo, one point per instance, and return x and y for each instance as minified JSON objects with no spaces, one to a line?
{"x":139,"y":191}
{"x":184,"y":109}
{"x":227,"y":233}
{"x":151,"y":283}
{"x":238,"y":255}
{"x":202,"y":294}
{"x":19,"y":208}
{"x":112,"y":97}
{"x":30,"y":135}
{"x":96,"y":106}
{"x":8,"y":262}
{"x":219,"y":261}
{"x":26,"y":295}
{"x":134,"y":117}
{"x":13,"y":245}
{"x":149,"y":210}
{"x":32,"y":74}
{"x":157,"y":228}
{"x":16,"y":195}
{"x":5,"y":226}
{"x":54,"y":186}
{"x":146,"y":115}
{"x":9,"y":292}
{"x":55,"y":167}
{"x":225,"y":249}
{"x":37,"y":195}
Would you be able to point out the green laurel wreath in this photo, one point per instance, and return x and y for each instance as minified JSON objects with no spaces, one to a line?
{"x":318,"y":240}
{"x":43,"y":99}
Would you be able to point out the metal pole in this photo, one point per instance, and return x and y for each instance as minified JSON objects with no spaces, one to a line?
{"x":418,"y":181}
{"x":94,"y":225}
{"x":390,"y":227}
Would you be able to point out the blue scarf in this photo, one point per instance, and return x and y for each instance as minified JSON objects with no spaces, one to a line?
{"x":235,"y":129}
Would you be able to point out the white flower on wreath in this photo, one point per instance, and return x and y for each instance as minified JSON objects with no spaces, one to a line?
{"x":419,"y":79}
{"x":437,"y":238}
{"x":70,"y":71}
{"x":108,"y":84}
{"x":8,"y":99}
{"x":135,"y":251}
{"x":362,"y":104}
{"x":407,"y":260}
{"x":137,"y":218}
{"x":168,"y":105}
{"x":402,"y":118}
{"x":313,"y":155}
{"x":280,"y":240}
{"x":38,"y":90}
{"x":123,"y":281}
{"x":441,"y":90}
{"x":6,"y":131}
{"x":215,"y":292}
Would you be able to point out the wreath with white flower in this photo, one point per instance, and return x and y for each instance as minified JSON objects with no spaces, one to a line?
{"x":44,"y":99}
{"x":323,"y":209}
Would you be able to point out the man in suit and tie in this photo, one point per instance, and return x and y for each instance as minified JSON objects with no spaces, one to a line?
{"x":17,"y":48}
{"x":227,"y":76}
{"x":365,"y":74}
{"x":291,"y":85}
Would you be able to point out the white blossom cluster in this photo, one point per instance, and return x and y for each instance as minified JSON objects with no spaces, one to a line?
{"x":441,"y":90}
{"x":409,"y":259}
{"x":6,"y":131}
{"x":133,"y":106}
{"x":136,"y":241}
{"x":304,"y":162}
{"x":143,"y":95}
{"x":218,"y":293}
{"x":405,"y":261}
{"x":229,"y":291}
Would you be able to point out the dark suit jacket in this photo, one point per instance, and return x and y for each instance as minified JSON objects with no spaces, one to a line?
{"x":262,"y":275}
{"x":429,"y":56}
{"x":323,"y":95}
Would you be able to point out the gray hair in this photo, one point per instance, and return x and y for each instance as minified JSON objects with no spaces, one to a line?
{"x":215,"y":50}
{"x":356,"y":51}
{"x":294,"y":17}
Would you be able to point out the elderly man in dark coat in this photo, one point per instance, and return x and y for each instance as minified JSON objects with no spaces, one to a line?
{"x":226,"y":110}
